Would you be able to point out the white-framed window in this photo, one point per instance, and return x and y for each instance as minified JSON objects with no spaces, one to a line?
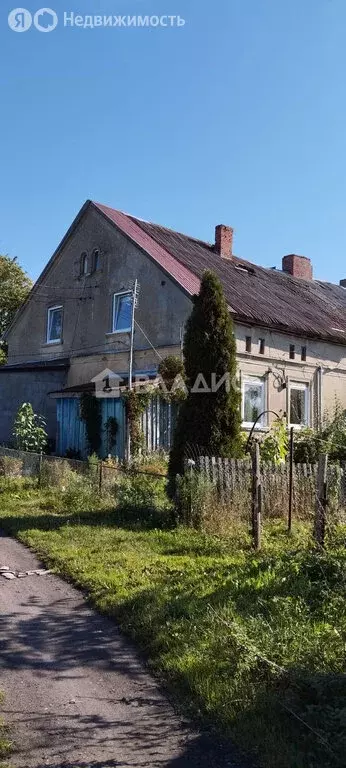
{"x":299,"y":403}
{"x":54,"y":325}
{"x":253,"y":401}
{"x":122,"y":312}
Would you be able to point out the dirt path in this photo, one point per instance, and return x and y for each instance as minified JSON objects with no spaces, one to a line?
{"x":76,"y":692}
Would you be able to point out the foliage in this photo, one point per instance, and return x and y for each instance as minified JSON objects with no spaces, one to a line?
{"x":112,"y":428}
{"x":29,"y":430}
{"x":172,"y":372}
{"x":90,"y":413}
{"x":306,"y":446}
{"x":210,"y":419}
{"x":141,"y":492}
{"x":10,"y":467}
{"x":3,"y":356}
{"x":274,"y":447}
{"x":136,"y":403}
{"x":55,"y":474}
{"x":14,"y":288}
{"x":331,"y":439}
{"x":245,"y":640}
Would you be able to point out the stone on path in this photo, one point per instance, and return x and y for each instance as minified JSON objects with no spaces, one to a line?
{"x":4,"y":568}
{"x":8,"y":575}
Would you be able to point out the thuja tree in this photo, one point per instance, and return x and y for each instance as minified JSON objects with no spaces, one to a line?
{"x":209,"y":418}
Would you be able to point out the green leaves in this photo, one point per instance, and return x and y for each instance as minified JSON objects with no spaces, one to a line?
{"x":14,"y":288}
{"x":29,"y":430}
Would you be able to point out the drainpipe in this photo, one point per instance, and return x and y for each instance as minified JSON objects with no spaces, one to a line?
{"x":320,"y":396}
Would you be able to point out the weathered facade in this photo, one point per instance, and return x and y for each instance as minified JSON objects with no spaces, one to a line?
{"x":290,"y":329}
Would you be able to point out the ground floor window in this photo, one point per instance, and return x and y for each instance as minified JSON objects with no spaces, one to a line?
{"x":253,"y":401}
{"x":298,"y":404}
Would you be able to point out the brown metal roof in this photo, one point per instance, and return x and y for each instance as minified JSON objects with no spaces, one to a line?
{"x":256,"y":295}
{"x":262,"y":296}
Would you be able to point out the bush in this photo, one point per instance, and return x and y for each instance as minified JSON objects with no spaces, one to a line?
{"x":10,"y":467}
{"x":55,"y":474}
{"x":140,"y":491}
{"x":80,"y":494}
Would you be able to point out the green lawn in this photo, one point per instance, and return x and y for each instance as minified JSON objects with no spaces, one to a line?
{"x":252,"y":644}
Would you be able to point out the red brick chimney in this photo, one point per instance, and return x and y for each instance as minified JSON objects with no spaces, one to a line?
{"x":298,"y":266}
{"x":223,"y":241}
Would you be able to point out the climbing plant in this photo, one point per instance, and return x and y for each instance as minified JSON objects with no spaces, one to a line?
{"x":90,"y":413}
{"x":136,"y":403}
{"x":111,"y":432}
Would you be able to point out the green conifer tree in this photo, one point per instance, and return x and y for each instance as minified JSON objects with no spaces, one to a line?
{"x":208,"y":420}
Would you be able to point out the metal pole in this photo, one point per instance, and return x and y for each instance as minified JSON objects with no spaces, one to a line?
{"x":134,"y":299}
{"x":290,"y":499}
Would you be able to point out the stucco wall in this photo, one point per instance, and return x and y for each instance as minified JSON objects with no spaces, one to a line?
{"x":324,"y":370}
{"x":17,"y":388}
{"x":162,"y":310}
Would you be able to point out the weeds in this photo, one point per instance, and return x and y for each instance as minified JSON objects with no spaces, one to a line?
{"x":253,"y":643}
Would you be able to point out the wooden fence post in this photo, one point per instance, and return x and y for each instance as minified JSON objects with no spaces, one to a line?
{"x":290,"y":487}
{"x":256,"y":497}
{"x":321,"y":500}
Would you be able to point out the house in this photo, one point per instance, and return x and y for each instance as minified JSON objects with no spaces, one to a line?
{"x":74,"y":330}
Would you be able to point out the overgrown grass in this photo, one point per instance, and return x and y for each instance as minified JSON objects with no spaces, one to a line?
{"x":5,"y":741}
{"x":252,"y":643}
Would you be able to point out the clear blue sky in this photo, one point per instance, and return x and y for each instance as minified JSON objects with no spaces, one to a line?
{"x":238,"y":118}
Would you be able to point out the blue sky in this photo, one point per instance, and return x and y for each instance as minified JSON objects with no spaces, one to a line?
{"x":239,"y":117}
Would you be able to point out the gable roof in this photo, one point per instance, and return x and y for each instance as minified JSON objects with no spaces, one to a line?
{"x":256,"y":295}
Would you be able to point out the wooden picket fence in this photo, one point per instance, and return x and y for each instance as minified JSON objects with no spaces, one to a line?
{"x":234,"y":481}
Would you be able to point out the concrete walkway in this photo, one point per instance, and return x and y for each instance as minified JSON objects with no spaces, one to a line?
{"x":77,"y":693}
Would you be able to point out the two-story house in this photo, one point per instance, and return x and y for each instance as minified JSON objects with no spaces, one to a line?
{"x":290,"y":329}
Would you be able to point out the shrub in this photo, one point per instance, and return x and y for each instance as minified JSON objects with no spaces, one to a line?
{"x":29,"y":430}
{"x":140,"y":491}
{"x":274,"y":447}
{"x":10,"y":467}
{"x":80,"y":494}
{"x":55,"y":474}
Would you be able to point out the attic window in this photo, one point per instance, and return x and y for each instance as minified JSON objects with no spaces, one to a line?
{"x":262,"y":346}
{"x":96,"y":259}
{"x":292,"y":352}
{"x":303,"y":355}
{"x":84,"y":266}
{"x":248,"y":343}
{"x":243,"y":268}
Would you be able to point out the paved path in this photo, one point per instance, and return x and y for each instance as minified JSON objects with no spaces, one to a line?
{"x":76,"y":691}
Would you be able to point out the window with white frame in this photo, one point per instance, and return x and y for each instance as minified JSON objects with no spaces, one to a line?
{"x":54,"y":325}
{"x":298,"y":404}
{"x":253,"y":401}
{"x":122,"y":312}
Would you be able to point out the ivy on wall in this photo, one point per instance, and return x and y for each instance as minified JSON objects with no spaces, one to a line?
{"x":136,"y":403}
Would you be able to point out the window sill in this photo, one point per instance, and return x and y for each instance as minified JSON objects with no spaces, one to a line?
{"x":53,"y":343}
{"x":116,"y":333}
{"x":258,"y":428}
